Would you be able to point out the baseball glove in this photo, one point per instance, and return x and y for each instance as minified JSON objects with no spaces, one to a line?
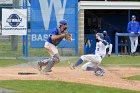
{"x":68,"y":36}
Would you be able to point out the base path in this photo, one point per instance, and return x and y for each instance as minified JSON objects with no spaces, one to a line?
{"x":112,"y":78}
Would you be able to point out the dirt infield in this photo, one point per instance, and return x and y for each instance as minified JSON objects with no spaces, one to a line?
{"x":112,"y":77}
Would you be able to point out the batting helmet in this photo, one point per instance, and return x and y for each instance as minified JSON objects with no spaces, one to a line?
{"x":104,"y":32}
{"x":100,"y":35}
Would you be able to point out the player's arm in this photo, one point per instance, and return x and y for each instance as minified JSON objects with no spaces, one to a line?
{"x":56,"y":37}
{"x":129,"y":28}
{"x":103,"y":43}
{"x":109,"y":40}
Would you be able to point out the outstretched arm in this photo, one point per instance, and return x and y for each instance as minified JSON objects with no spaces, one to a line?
{"x":56,"y":37}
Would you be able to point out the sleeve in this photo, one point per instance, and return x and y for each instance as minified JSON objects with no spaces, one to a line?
{"x":103,"y":43}
{"x":109,"y":40}
{"x":54,"y":32}
{"x":138,"y":27}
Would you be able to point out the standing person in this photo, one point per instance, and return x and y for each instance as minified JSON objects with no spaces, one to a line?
{"x":53,"y":40}
{"x":93,"y":60}
{"x":133,"y":27}
{"x":107,"y":38}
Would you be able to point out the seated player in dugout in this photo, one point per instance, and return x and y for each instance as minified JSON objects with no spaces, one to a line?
{"x":109,"y":46}
{"x":53,"y":40}
{"x":93,"y":60}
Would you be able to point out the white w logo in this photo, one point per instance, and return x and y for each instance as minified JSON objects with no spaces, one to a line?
{"x":46,"y":10}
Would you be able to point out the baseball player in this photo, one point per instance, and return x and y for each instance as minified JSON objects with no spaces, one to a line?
{"x":133,"y":27}
{"x":53,"y":40}
{"x":93,"y":60}
{"x":107,"y":38}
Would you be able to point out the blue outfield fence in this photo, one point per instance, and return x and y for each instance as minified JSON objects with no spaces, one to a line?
{"x":117,"y":35}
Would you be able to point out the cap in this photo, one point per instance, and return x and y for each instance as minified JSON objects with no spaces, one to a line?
{"x":63,"y":22}
{"x":133,"y":16}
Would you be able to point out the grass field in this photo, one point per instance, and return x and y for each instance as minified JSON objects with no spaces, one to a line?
{"x":57,"y":87}
{"x":137,"y":77}
{"x":107,"y":60}
{"x":11,"y":62}
{"x":5,"y":50}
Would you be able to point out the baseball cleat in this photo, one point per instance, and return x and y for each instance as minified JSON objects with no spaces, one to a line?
{"x":71,"y":65}
{"x":43,"y":72}
{"x":99,"y":72}
{"x":39,"y":66}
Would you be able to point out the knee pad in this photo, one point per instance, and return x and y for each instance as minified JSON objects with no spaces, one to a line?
{"x":82,"y":57}
{"x":86,"y":65}
{"x":56,"y":58}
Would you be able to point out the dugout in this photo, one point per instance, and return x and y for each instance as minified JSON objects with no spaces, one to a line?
{"x":96,"y":16}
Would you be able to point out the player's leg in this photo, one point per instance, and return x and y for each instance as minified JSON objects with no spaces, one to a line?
{"x":52,"y":50}
{"x":51,"y":62}
{"x":136,"y":44}
{"x":87,"y":66}
{"x":110,"y":49}
{"x":132,"y":44}
{"x":77,"y":63}
{"x":87,"y":58}
{"x":94,"y":66}
{"x":96,"y":69}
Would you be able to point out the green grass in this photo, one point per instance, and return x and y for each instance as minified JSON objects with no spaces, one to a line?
{"x":121,"y":60}
{"x":5,"y":50}
{"x":107,"y":60}
{"x":136,"y":77}
{"x":110,"y":60}
{"x":11,"y":62}
{"x":41,"y":86}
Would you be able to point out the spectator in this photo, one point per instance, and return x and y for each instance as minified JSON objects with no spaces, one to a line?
{"x":133,"y":28}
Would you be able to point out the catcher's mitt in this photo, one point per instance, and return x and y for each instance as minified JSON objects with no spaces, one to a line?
{"x":68,"y":36}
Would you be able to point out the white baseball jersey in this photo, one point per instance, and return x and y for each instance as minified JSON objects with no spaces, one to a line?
{"x":95,"y":59}
{"x":100,"y":49}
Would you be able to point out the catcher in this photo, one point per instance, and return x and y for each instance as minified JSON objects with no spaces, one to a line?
{"x":53,"y":40}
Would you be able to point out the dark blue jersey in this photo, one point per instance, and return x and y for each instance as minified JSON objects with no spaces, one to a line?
{"x":133,"y":26}
{"x":107,"y":38}
{"x":55,"y":31}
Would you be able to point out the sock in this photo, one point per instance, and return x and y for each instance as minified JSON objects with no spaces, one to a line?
{"x":91,"y":69}
{"x":78,"y":62}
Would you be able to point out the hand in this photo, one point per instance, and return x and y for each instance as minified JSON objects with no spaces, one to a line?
{"x":139,"y":32}
{"x":68,"y":37}
{"x":132,"y":32}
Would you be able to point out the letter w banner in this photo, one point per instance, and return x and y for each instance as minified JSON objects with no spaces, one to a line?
{"x":14,"y":21}
{"x":45,"y":16}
